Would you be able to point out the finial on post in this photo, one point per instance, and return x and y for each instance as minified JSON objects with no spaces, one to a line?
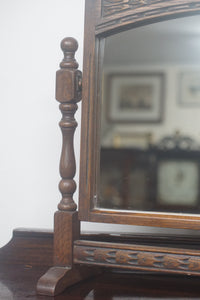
{"x":69,"y":46}
{"x":68,"y":93}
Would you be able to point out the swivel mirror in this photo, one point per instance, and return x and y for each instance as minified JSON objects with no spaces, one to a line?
{"x":150,"y":139}
{"x":141,"y":148}
{"x":140,"y":140}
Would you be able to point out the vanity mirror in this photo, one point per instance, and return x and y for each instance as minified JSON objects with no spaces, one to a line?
{"x":140,"y":149}
{"x":150,"y":138}
{"x":140,"y":140}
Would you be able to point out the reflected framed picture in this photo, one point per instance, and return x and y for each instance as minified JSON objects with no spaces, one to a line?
{"x":135,"y":98}
{"x":137,"y":140}
{"x":190,"y":88}
{"x":178,"y":183}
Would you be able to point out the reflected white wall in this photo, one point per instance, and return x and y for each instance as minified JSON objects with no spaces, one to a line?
{"x":170,"y":47}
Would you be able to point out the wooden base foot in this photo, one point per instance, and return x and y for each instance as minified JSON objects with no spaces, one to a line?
{"x":57,"y":279}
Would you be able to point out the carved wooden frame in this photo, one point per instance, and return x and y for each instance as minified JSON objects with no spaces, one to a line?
{"x":137,"y":257}
{"x":75,"y":257}
{"x":104,"y":18}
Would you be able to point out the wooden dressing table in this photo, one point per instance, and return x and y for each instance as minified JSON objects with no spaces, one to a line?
{"x":71,"y":256}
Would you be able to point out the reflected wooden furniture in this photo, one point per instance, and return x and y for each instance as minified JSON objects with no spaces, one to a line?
{"x":117,"y":169}
{"x":133,"y":178}
{"x":75,"y":258}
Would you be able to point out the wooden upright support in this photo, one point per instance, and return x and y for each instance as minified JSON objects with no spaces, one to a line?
{"x":68,"y":93}
{"x":66,"y":223}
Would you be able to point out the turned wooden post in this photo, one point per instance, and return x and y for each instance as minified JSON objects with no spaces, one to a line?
{"x":66,"y":223}
{"x":68,"y":93}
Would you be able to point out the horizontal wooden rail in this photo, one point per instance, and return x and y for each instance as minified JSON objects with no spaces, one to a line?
{"x":137,"y":257}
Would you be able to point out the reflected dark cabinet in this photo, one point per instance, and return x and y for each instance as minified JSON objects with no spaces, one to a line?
{"x":125,"y":179}
{"x":153,"y":47}
{"x":151,"y":180}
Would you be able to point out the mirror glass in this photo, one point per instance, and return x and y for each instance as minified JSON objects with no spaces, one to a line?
{"x":150,"y":132}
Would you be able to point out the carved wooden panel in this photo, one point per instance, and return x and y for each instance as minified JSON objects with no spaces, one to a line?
{"x":111,"y":7}
{"x":158,"y":260}
{"x":124,"y":12}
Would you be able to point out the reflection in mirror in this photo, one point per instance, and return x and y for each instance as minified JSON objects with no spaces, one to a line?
{"x":150,"y":134}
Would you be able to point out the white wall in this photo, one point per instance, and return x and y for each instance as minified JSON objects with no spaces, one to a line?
{"x":30,"y":54}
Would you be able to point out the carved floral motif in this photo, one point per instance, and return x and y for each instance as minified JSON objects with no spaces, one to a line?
{"x":137,"y":259}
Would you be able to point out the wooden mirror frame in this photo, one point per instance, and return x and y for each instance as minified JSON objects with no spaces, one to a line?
{"x":104,"y":18}
{"x":79,"y":256}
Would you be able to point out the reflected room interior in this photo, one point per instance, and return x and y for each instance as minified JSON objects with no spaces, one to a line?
{"x":150,"y":110}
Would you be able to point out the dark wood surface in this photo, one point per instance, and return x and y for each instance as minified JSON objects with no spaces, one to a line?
{"x":18,"y":283}
{"x":28,"y":247}
{"x":138,"y":257}
{"x":66,"y":224}
{"x":30,"y":253}
{"x":68,"y":93}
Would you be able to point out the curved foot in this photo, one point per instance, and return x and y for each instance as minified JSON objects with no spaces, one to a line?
{"x":57,"y":279}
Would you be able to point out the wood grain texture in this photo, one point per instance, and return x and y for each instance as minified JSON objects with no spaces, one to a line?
{"x":183,"y":241}
{"x":28,"y":251}
{"x":89,"y":129}
{"x":66,"y":230}
{"x":57,"y":279}
{"x":19,"y":284}
{"x":121,"y":14}
{"x":28,"y":247}
{"x":64,"y":273}
{"x":138,"y":257}
{"x":165,"y":220}
{"x":111,"y":7}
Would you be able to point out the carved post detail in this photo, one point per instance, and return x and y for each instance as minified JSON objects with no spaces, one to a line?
{"x":66,"y":223}
{"x":68,"y":93}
